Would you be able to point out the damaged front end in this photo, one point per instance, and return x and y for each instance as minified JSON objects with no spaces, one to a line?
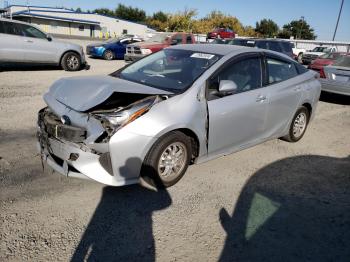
{"x":79,"y":144}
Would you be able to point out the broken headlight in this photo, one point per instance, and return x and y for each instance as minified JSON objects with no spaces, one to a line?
{"x":112,"y":121}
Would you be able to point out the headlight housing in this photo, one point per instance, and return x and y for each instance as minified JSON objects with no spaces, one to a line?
{"x":112,"y":121}
{"x":146,"y":51}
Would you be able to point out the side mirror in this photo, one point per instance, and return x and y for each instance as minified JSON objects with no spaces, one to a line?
{"x":227,"y":87}
{"x":49,"y":38}
{"x":173,"y":42}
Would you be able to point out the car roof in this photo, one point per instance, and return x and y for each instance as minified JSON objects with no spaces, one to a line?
{"x":14,"y":21}
{"x":223,"y":50}
{"x":217,"y":49}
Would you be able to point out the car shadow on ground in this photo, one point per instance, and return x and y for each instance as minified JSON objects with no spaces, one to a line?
{"x":335,"y":98}
{"x":121,"y":226}
{"x":295,"y":209}
{"x":22,"y":67}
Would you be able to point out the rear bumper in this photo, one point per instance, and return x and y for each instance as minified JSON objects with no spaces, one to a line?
{"x":331,"y":86}
{"x":133,"y":57}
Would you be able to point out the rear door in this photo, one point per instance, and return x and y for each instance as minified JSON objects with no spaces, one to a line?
{"x":11,"y":42}
{"x":38,"y":48}
{"x":285,"y":91}
{"x":237,"y":120}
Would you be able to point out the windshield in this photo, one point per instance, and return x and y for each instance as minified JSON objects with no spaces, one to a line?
{"x":158,"y":38}
{"x":112,"y":40}
{"x":170,"y":69}
{"x":343,"y":61}
{"x":321,"y":49}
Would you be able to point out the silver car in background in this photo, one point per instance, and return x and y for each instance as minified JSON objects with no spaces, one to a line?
{"x":26,"y":44}
{"x":336,"y":77}
{"x":182,"y":105}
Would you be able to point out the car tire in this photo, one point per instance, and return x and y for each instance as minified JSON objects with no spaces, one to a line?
{"x":300,"y":58}
{"x":298,"y":125}
{"x":108,"y":55}
{"x":71,"y":61}
{"x":165,"y":165}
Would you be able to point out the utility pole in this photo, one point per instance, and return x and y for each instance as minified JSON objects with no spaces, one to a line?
{"x":336,"y":26}
{"x":301,"y":26}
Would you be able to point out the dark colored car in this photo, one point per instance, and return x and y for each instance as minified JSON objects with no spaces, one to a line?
{"x":112,"y":49}
{"x":325,"y":60}
{"x":280,"y":46}
{"x":221,"y":33}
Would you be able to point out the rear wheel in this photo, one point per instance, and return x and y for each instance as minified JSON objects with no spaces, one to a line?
{"x":108,"y":55}
{"x":298,"y":125}
{"x":168,"y":160}
{"x":71,"y":61}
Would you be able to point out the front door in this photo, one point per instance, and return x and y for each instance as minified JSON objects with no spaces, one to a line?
{"x":38,"y":48}
{"x":237,"y":120}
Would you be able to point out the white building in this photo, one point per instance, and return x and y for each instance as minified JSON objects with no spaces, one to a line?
{"x":62,"y":21}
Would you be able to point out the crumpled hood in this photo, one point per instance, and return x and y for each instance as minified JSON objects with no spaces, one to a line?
{"x":83,"y":93}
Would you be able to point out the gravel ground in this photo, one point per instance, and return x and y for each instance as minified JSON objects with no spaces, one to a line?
{"x":275,"y":202}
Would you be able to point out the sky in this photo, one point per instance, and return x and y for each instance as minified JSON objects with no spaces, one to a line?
{"x":320,"y":14}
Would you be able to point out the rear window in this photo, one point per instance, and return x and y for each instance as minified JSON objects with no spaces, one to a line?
{"x":280,"y":70}
{"x":343,"y":61}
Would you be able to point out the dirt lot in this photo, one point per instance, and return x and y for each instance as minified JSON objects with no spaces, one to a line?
{"x":274,"y":202}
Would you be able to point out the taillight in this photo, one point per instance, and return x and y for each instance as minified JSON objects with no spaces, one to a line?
{"x":322,"y":74}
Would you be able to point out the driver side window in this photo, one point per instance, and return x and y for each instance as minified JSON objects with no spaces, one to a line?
{"x":246,"y":74}
{"x":30,"y":31}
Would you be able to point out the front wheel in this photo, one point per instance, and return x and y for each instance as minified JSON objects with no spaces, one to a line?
{"x":298,"y":125}
{"x":168,"y":160}
{"x":71,"y":62}
{"x":108,"y":55}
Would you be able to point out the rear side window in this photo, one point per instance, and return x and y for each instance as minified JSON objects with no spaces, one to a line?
{"x":30,"y":31}
{"x":188,"y":39}
{"x":12,"y":29}
{"x":287,"y":47}
{"x":279,"y":70}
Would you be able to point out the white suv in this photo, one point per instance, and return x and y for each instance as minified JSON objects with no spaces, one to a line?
{"x":24,"y":43}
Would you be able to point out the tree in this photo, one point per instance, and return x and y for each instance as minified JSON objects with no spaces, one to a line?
{"x":299,"y":29}
{"x":104,"y":11}
{"x":182,"y":21}
{"x":78,"y":10}
{"x":130,"y":13}
{"x":160,"y":16}
{"x":267,"y":28}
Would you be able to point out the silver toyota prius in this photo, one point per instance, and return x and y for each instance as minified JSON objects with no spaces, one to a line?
{"x":183,"y":105}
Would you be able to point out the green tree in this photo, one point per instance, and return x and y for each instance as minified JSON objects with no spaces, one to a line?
{"x":130,"y":13}
{"x":78,"y":10}
{"x":104,"y":11}
{"x":182,"y":21}
{"x":266,"y":28}
{"x":299,"y":29}
{"x":160,"y":16}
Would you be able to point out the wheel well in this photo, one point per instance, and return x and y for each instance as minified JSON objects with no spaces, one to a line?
{"x":72,"y":51}
{"x":309,"y":108}
{"x":194,"y":141}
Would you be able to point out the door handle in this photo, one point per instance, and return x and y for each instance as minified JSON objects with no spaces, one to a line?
{"x":260,"y":98}
{"x":28,"y":41}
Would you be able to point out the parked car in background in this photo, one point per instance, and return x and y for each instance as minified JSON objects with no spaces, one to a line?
{"x":26,"y":44}
{"x":298,"y":53}
{"x":114,"y":48}
{"x":277,"y":45}
{"x":221,"y":33}
{"x":325,"y":60}
{"x":313,"y":54}
{"x":336,"y":78}
{"x":156,"y":43}
{"x":182,"y":105}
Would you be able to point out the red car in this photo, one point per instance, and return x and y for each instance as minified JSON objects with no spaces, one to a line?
{"x":325,"y":60}
{"x":221,"y":33}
